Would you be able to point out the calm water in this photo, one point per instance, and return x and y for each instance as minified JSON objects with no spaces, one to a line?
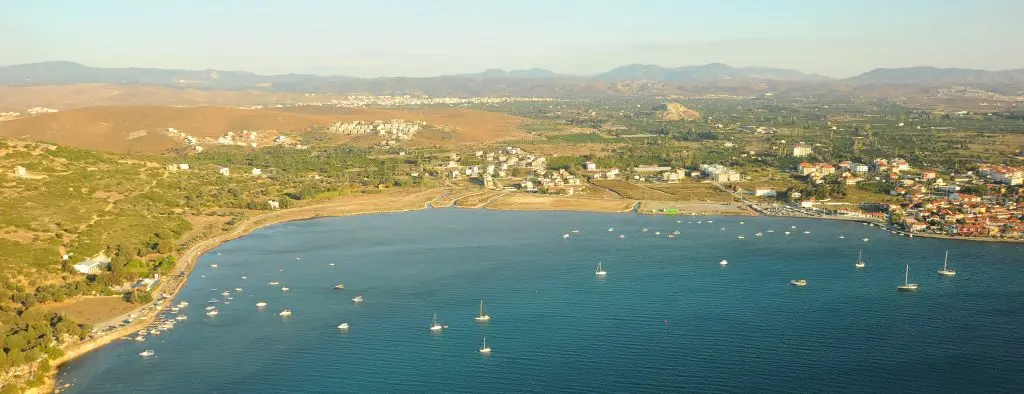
{"x":666,"y":318}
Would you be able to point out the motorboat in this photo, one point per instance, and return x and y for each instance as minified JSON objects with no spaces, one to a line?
{"x":261,"y":304}
{"x":343,"y":326}
{"x":798,"y":282}
{"x":357,"y":299}
{"x":147,"y":353}
{"x":212,"y":312}
{"x":286,"y":312}
{"x":339,"y":286}
{"x":723,"y":263}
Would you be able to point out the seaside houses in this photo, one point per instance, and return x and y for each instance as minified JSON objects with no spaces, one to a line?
{"x":94,"y":265}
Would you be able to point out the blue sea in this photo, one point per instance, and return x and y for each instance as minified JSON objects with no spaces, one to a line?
{"x":667,"y":318}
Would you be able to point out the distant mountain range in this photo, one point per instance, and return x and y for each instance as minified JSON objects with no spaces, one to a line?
{"x":629,"y":79}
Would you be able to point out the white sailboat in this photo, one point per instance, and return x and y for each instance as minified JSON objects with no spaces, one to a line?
{"x":357,"y":299}
{"x":600,"y":270}
{"x":261,"y":304}
{"x":485,"y":349}
{"x":798,"y":282}
{"x":723,"y":263}
{"x":907,"y":286}
{"x":946,"y":271}
{"x":482,"y":317}
{"x":343,"y":326}
{"x":434,"y":325}
{"x":146,"y":353}
{"x":286,"y":313}
{"x":860,"y":260}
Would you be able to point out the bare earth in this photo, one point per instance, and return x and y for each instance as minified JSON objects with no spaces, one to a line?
{"x":694,"y":208}
{"x":92,"y":310}
{"x":533,"y":202}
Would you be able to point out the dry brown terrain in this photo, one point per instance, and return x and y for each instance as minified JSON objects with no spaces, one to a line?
{"x":695,"y":208}
{"x":534,"y":202}
{"x":141,"y":128}
{"x":92,"y":310}
{"x":66,"y":97}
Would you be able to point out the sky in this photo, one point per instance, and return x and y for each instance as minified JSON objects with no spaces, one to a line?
{"x":418,"y":38}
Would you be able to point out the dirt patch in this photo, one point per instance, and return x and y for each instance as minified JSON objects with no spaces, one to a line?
{"x":633,"y":191}
{"x":693,"y":191}
{"x":535,"y":202}
{"x":691,"y":208}
{"x":92,"y":310}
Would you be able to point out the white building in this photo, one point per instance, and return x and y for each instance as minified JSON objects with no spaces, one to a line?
{"x":183,"y":166}
{"x":801,"y":150}
{"x":224,"y":171}
{"x":590,"y":166}
{"x":765,"y":192}
{"x":93,"y":266}
{"x":274,"y":204}
{"x":256,"y":171}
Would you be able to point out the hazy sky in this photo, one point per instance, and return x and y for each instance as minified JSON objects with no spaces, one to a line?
{"x":431,"y":37}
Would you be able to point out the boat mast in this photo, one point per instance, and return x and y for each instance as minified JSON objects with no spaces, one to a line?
{"x":944,"y":261}
{"x":906,"y":275}
{"x":481,"y":308}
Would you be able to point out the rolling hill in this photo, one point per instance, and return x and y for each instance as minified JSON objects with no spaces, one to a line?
{"x":143,"y":128}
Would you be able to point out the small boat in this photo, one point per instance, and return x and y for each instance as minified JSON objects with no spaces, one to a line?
{"x":225,"y":293}
{"x":610,"y":229}
{"x":286,"y":312}
{"x":146,"y":353}
{"x":758,"y":234}
{"x":343,"y":326}
{"x":771,"y":231}
{"x":722,"y":228}
{"x":622,"y":236}
{"x":261,"y":304}
{"x":285,"y":289}
{"x":483,"y":316}
{"x":565,"y":236}
{"x":212,"y":312}
{"x":740,"y":237}
{"x":644,"y":229}
{"x":434,"y":325}
{"x":842,"y":236}
{"x":710,"y":222}
{"x":723,"y":263}
{"x":865,"y":239}
{"x":140,"y":338}
{"x":485,"y":349}
{"x":245,"y":277}
{"x":331,"y":264}
{"x":298,"y":258}
{"x":227,"y":302}
{"x":273,"y":283}
{"x":792,"y":227}
{"x":211,"y":307}
{"x":907,"y":286}
{"x":238,"y":289}
{"x":339,"y":286}
{"x":182,"y":304}
{"x":671,"y":236}
{"x":600,"y":270}
{"x":174,"y":309}
{"x":946,"y":271}
{"x":860,"y":260}
{"x":807,"y":231}
{"x":700,"y":221}
{"x":212,"y":300}
{"x":657,"y":233}
{"x":574,"y":231}
{"x":358,"y":299}
{"x":798,"y":282}
{"x":676,"y":232}
{"x":787,"y":233}
{"x":181,"y":317}
{"x":214,"y":266}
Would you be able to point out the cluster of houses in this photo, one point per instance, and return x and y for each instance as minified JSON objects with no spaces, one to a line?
{"x":245,"y":138}
{"x":392,"y":131}
{"x":500,"y":165}
{"x":961,"y":215}
{"x":40,"y":110}
{"x":851,"y":172}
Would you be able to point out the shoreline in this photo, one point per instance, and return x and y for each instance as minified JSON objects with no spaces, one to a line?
{"x":337,"y":208}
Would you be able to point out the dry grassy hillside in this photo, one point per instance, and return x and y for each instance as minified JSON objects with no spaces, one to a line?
{"x":142,"y":128}
{"x":65,"y":97}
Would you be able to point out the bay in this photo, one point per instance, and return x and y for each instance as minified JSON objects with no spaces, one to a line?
{"x":667,"y":317}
